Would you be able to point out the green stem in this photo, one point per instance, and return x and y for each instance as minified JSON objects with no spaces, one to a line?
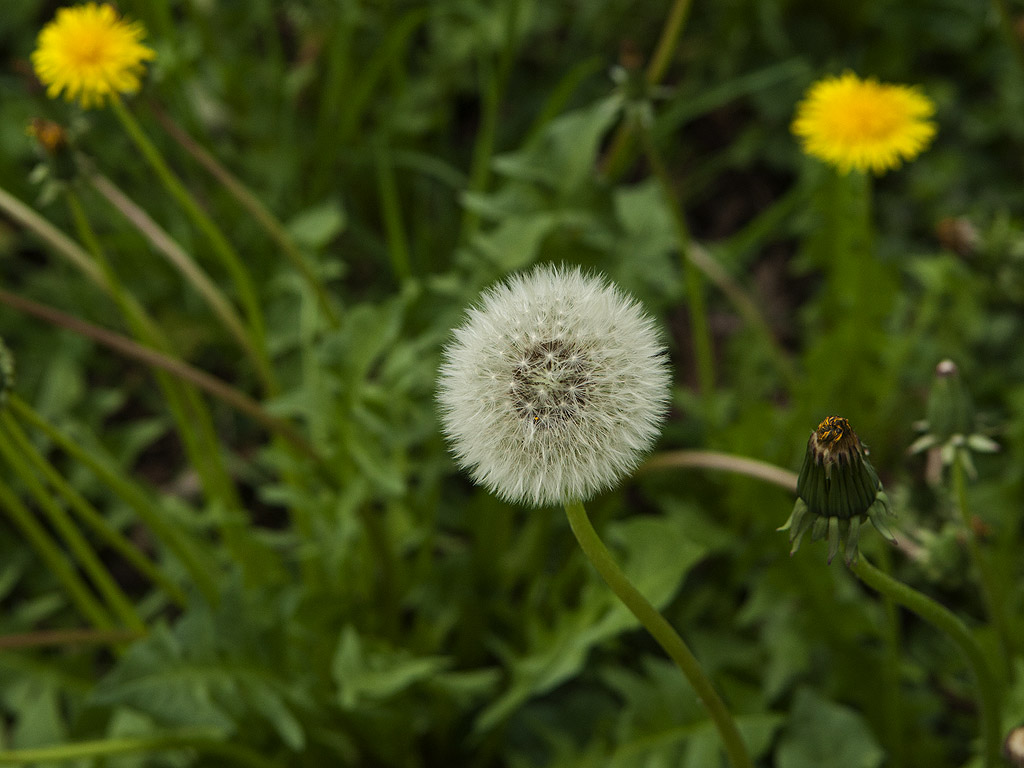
{"x":201,"y":742}
{"x":701,"y":332}
{"x":391,"y":210}
{"x":55,"y":560}
{"x":990,"y":591}
{"x":147,"y":511}
{"x":221,"y":247}
{"x":91,"y":517}
{"x":52,"y":236}
{"x":491,"y":89}
{"x":263,"y":216}
{"x":947,"y":622}
{"x":661,"y":630}
{"x":894,"y":696}
{"x":621,"y":147}
{"x":13,"y":446}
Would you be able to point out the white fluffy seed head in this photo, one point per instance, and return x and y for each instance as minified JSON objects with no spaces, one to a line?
{"x":554,"y":387}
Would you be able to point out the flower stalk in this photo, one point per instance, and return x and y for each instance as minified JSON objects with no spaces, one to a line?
{"x":945,"y":621}
{"x":660,"y":630}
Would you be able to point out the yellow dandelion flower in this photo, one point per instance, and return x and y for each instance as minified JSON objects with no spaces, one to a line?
{"x":863,"y":124}
{"x":90,"y":54}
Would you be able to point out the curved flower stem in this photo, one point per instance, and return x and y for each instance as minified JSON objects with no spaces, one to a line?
{"x":989,"y":583}
{"x":726,"y":462}
{"x":221,"y":247}
{"x":929,"y":610}
{"x":944,"y":620}
{"x":199,"y":741}
{"x":660,"y":630}
{"x":53,"y":237}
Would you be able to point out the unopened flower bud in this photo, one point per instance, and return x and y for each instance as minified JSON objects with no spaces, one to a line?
{"x":837,"y":491}
{"x":950,"y":429}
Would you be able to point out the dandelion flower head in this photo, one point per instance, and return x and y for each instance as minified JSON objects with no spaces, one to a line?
{"x":863,"y":125}
{"x":90,"y":54}
{"x":554,"y":387}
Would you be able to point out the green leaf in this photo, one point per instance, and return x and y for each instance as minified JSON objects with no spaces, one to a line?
{"x":820,"y":732}
{"x":361,"y":674}
{"x":563,"y":156}
{"x":218,"y":670}
{"x":316,"y":227}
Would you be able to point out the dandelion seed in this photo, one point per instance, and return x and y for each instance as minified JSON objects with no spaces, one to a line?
{"x":90,"y":54}
{"x":863,"y":125}
{"x":553,"y":388}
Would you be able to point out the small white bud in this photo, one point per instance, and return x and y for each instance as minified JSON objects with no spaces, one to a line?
{"x":554,"y":387}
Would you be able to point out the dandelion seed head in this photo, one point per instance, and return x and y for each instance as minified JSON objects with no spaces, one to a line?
{"x":553,"y":388}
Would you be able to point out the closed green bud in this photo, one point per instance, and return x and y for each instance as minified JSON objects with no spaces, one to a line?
{"x":950,"y":411}
{"x":950,"y":429}
{"x":837,"y":491}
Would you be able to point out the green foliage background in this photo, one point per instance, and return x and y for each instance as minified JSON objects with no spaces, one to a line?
{"x":417,"y":152}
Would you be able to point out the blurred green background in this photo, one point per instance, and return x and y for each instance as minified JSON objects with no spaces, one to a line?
{"x":417,"y":152}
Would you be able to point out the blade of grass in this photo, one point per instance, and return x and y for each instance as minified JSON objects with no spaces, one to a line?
{"x":13,"y":445}
{"x":195,"y":426}
{"x":91,"y":517}
{"x":222,"y":248}
{"x":263,"y":216}
{"x":154,"y":518}
{"x":179,"y":259}
{"x":81,"y":597}
{"x":156,"y":359}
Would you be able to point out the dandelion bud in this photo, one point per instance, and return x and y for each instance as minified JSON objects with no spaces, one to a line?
{"x":950,"y":411}
{"x":553,"y":388}
{"x":951,"y":429}
{"x":6,"y":372}
{"x":838,"y":490}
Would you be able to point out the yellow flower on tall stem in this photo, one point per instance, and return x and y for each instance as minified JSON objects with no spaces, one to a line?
{"x":90,"y":54}
{"x":863,"y":125}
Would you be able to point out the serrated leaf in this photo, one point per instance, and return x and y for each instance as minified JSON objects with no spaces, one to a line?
{"x":375,"y":674}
